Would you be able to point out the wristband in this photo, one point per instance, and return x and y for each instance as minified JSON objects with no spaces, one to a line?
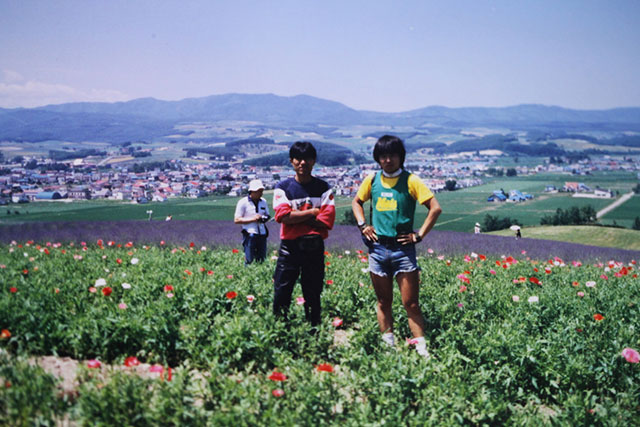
{"x":418,"y":238}
{"x":362,"y":225}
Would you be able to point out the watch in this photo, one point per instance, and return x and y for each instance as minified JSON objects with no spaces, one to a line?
{"x":362,"y":225}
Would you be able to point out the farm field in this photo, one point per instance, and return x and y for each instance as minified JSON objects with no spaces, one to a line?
{"x":585,"y":235}
{"x":624,"y":215}
{"x":185,"y":335}
{"x":461,"y":209}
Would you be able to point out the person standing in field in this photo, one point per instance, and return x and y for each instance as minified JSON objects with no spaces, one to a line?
{"x":253,"y":213}
{"x":390,"y":237}
{"x":305,"y":207}
{"x":476,"y":230}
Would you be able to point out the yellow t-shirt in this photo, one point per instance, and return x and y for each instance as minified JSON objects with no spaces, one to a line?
{"x":417,"y":189}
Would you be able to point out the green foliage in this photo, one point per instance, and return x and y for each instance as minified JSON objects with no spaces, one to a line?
{"x":497,"y":361}
{"x":493,"y":223}
{"x":59,"y":155}
{"x":450,"y":185}
{"x":636,"y":223}
{"x":28,"y":395}
{"x":512,"y":172}
{"x":571,"y":216}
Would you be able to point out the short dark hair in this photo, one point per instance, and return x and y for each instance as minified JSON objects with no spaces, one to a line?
{"x":302,"y":150}
{"x":389,"y":144}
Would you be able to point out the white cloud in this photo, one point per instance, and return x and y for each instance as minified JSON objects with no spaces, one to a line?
{"x":16,"y":92}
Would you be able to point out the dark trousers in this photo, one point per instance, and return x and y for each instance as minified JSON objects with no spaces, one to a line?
{"x":302,"y":257}
{"x":255,"y":247}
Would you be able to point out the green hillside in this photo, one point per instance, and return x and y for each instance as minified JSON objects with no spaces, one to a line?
{"x":583,"y":234}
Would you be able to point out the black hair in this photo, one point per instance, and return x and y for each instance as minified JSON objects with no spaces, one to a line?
{"x":389,"y":144}
{"x":302,"y":150}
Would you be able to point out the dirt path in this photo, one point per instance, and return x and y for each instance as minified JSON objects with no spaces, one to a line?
{"x":614,"y":205}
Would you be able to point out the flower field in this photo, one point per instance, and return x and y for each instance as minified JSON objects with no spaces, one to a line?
{"x":184,"y":334}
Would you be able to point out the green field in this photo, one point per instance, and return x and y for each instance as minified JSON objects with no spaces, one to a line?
{"x":583,"y":234}
{"x":625,"y":214}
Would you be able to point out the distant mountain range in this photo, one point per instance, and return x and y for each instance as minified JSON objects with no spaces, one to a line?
{"x":148,"y":118}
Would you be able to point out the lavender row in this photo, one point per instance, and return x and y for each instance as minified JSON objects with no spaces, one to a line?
{"x":226,"y":234}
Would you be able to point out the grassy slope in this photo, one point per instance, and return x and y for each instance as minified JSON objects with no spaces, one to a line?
{"x":586,"y":235}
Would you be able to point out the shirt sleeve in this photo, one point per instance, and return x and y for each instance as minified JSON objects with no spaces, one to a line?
{"x":327,"y":214}
{"x":418,"y":189}
{"x":266,"y":207}
{"x":281,"y":204}
{"x":364,"y":192}
{"x":239,"y":209}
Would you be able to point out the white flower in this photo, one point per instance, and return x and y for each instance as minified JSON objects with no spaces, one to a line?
{"x":25,"y":254}
{"x":364,"y":270}
{"x":474,"y":255}
{"x":100,"y":282}
{"x":515,"y":298}
{"x":347,"y":252}
{"x":533,"y":299}
{"x":590,"y":284}
{"x":126,"y":286}
{"x":134,"y":261}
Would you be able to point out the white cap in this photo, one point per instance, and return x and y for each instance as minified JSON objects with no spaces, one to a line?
{"x":477,"y":224}
{"x":255,"y":185}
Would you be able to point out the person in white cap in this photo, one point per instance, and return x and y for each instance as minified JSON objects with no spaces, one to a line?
{"x":476,"y":230}
{"x":253,"y":213}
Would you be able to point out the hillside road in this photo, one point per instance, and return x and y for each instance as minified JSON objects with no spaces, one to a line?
{"x":614,"y":205}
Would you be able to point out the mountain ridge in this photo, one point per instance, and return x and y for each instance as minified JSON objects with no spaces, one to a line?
{"x":151,"y":118}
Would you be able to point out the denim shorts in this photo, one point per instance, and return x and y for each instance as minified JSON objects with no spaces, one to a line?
{"x":389,"y":260}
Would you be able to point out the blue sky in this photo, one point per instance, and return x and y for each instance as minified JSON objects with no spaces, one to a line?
{"x":371,"y":55}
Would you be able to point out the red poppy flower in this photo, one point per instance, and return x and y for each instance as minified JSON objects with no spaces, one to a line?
{"x":188,"y":272}
{"x":534,"y":280}
{"x":13,"y":289}
{"x":209,"y":272}
{"x":324,"y":367}
{"x":5,"y":334}
{"x":99,"y":242}
{"x":191,"y":244}
{"x":162,"y":242}
{"x":119,"y":261}
{"x":93,"y":363}
{"x":598,"y":317}
{"x":329,"y":282}
{"x":25,"y":271}
{"x":46,"y":251}
{"x":235,"y":251}
{"x":131,"y":361}
{"x":106,"y":291}
{"x":231,"y":294}
{"x":278,"y":392}
{"x":337,"y":322}
{"x":202,"y":269}
{"x":277,"y":376}
{"x":168,"y":288}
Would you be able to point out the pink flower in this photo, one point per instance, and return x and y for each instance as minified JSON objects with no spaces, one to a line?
{"x":299,"y":300}
{"x":337,"y":322}
{"x":492,"y":271}
{"x":229,"y":276}
{"x":515,"y":298}
{"x":460,"y":305}
{"x":250,"y":298}
{"x":278,"y":392}
{"x":462,"y":288}
{"x":631,"y":355}
{"x":93,"y":290}
{"x":169,"y":295}
{"x":604,"y":276}
{"x":329,"y":282}
{"x":122,"y":306}
{"x":93,"y":363}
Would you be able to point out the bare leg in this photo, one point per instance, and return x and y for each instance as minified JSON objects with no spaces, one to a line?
{"x":409,"y":290}
{"x":384,"y":292}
